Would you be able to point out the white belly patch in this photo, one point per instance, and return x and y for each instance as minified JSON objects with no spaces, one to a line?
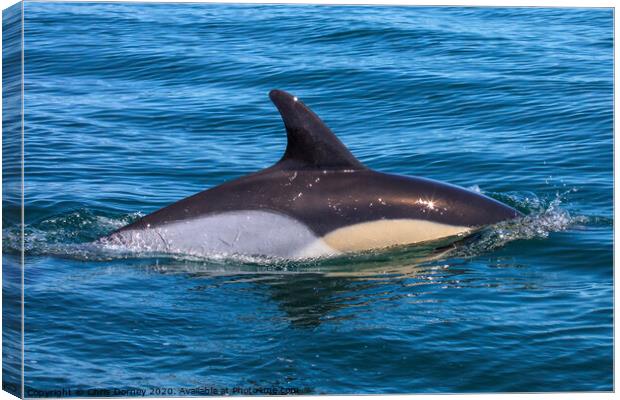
{"x":240,"y":232}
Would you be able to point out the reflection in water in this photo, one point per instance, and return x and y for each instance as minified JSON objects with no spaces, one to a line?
{"x":313,"y":292}
{"x":310,"y":299}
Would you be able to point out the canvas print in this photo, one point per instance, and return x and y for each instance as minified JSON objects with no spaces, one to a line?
{"x":245,"y":199}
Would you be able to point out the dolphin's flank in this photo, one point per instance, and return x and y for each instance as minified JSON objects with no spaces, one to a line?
{"x":317,"y":200}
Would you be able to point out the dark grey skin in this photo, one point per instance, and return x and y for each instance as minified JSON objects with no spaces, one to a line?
{"x":319,"y":183}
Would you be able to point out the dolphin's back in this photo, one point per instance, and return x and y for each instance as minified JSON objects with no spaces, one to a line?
{"x":328,"y":200}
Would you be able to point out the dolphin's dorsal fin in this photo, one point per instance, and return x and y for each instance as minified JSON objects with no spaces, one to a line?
{"x":311,"y":144}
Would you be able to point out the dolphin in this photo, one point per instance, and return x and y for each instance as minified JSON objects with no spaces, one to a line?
{"x":317,"y":200}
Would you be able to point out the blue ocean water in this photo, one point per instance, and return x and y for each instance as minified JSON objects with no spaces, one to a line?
{"x":129,"y":107}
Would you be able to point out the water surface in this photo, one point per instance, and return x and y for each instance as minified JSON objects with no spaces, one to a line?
{"x":129,"y":107}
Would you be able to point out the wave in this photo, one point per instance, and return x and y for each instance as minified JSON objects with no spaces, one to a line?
{"x":542,"y":217}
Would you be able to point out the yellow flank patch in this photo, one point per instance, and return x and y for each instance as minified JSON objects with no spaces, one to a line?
{"x":389,"y":232}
